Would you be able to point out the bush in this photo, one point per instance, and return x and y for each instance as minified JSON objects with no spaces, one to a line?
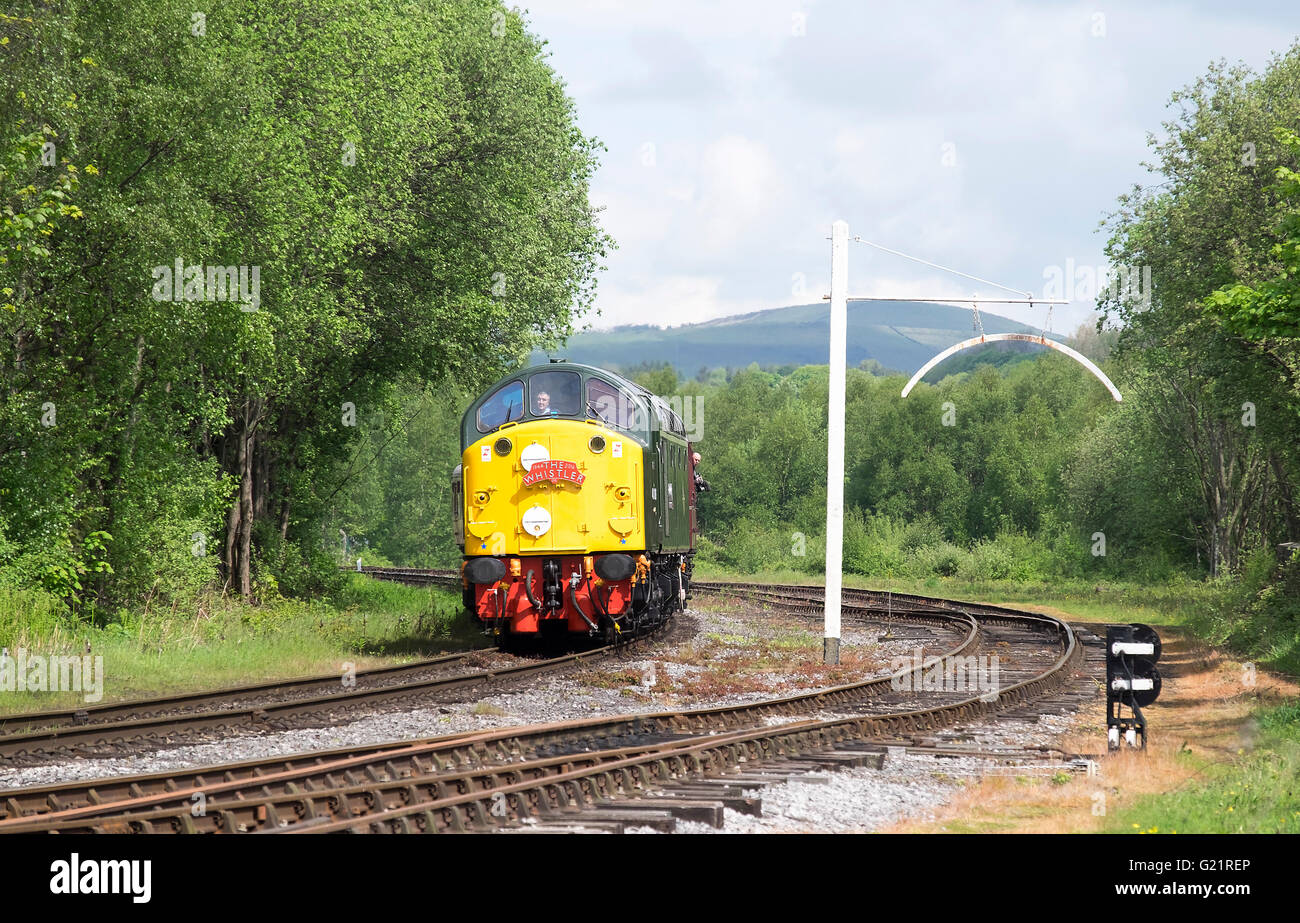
{"x":814,"y":557}
{"x":922,"y":534}
{"x":942,"y":560}
{"x":293,"y":569}
{"x":873,"y":545}
{"x":1258,"y":613}
{"x":752,"y":547}
{"x":989,"y":560}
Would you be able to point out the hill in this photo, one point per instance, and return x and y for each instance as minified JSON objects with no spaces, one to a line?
{"x":901,"y":336}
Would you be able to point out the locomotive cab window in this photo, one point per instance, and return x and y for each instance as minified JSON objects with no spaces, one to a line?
{"x":668,"y":419}
{"x":505,"y":404}
{"x":554,"y":394}
{"x":611,"y":405}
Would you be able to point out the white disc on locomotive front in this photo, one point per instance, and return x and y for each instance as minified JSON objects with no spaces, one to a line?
{"x":537,"y":521}
{"x":533,"y":452}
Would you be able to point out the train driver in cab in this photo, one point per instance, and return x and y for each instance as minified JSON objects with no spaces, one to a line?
{"x":543,"y":402}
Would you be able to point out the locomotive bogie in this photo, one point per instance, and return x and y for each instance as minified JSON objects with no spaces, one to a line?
{"x":567,"y":594}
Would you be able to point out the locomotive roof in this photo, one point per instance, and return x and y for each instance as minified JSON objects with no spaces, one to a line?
{"x":566,"y":365}
{"x":470,"y":434}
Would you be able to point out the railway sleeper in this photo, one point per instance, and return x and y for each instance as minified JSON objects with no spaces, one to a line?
{"x":738,"y":802}
{"x":662,"y":821}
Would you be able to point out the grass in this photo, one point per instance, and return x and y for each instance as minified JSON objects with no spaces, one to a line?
{"x":1170,"y":604}
{"x":222,"y":642}
{"x":1256,"y":793}
{"x":1250,"y":614}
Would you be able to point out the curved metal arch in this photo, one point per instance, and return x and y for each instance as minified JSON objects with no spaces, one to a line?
{"x":1024,"y":337}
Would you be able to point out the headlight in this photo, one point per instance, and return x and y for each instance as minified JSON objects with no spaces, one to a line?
{"x":503,"y":446}
{"x":597,"y":443}
{"x":532,"y":453}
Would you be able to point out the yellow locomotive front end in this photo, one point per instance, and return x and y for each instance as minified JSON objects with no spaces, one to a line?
{"x":551,"y":500}
{"x":552,"y":487}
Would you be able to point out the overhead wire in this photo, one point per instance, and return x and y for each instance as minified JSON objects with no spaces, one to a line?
{"x":958,"y":272}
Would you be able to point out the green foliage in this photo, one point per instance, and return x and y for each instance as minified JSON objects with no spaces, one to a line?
{"x":1220,"y":421}
{"x":1260,"y":614}
{"x":942,"y":560}
{"x":872,"y":546}
{"x":751,"y":546}
{"x":30,"y":215}
{"x":294,"y":569}
{"x":660,"y":379}
{"x":1004,"y":491}
{"x":1283,"y":719}
{"x":397,"y":503}
{"x":407,"y":180}
{"x":1271,"y":308}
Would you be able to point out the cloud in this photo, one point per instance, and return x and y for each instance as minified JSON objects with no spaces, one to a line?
{"x":989,"y":137}
{"x":739,"y":186}
{"x":666,"y":302}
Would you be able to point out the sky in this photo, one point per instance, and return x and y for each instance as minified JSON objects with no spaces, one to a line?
{"x":990,"y":136}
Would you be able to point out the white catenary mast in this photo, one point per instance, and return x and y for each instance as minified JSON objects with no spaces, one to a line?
{"x":835,"y":440}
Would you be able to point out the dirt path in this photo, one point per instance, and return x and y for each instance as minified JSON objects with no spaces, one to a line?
{"x":1202,"y":717}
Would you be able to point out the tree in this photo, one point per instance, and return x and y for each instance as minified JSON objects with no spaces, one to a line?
{"x":400,"y":191}
{"x":1207,"y":226}
{"x":1270,"y":309}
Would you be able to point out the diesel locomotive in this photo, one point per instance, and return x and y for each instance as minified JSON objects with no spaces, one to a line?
{"x":574,"y":506}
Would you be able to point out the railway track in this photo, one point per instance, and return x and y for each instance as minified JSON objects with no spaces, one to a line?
{"x":418,"y":576}
{"x":495,"y":746}
{"x":176,"y":720}
{"x":38,"y":736}
{"x":563,"y":773}
{"x":172,"y":720}
{"x":12,"y":725}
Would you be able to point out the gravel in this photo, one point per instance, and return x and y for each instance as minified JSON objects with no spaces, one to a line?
{"x":851,"y":800}
{"x":553,"y":698}
{"x":855,"y":800}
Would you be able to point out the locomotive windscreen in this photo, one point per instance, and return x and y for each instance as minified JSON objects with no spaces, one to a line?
{"x":504,"y":405}
{"x":613,"y":406}
{"x":554,"y":393}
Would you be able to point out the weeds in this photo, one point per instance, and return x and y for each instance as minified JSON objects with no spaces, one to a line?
{"x":222,"y":641}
